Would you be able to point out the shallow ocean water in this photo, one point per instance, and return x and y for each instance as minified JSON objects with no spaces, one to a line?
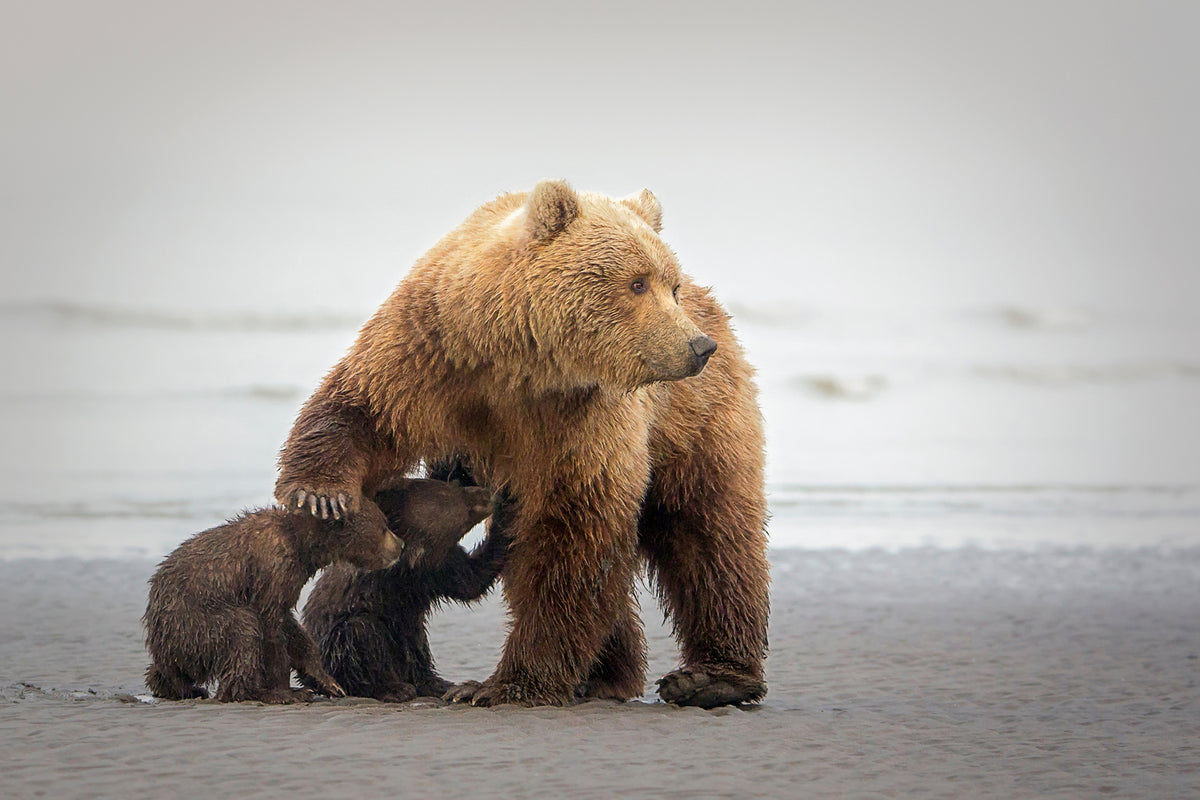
{"x":128,"y":429}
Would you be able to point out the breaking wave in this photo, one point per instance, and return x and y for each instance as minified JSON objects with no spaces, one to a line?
{"x":1045,"y":319}
{"x":1036,"y":500}
{"x":842,"y":387}
{"x":1071,"y":375}
{"x":254,"y":392}
{"x":65,"y":313}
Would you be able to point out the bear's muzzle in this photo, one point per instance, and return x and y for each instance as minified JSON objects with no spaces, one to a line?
{"x":702,"y":347}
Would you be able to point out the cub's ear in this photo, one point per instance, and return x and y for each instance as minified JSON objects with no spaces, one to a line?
{"x":646,"y":206}
{"x":550,"y":207}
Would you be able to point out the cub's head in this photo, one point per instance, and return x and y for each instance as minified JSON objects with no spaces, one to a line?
{"x":431,"y":516}
{"x":365,"y":540}
{"x":605,"y":294}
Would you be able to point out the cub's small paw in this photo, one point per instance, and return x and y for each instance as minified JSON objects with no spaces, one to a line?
{"x":321,"y":684}
{"x":433,"y":688}
{"x":284,"y":696}
{"x":400,"y":693}
{"x":694,"y":687}
{"x":462,"y":692}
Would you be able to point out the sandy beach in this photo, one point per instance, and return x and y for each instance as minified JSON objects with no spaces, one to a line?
{"x":914,"y":673}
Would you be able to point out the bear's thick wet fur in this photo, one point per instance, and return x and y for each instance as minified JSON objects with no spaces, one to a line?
{"x":370,"y":626}
{"x":220,"y":605}
{"x":554,"y":343}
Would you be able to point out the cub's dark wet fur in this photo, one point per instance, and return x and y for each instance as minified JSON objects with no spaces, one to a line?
{"x":371,"y":626}
{"x":220,"y":606}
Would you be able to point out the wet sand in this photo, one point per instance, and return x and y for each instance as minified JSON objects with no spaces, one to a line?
{"x":918,"y":673}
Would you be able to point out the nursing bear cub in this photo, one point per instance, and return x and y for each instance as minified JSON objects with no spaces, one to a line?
{"x":370,"y":625}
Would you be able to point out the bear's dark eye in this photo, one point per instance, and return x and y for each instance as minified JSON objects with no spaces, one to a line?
{"x":675,"y":294}
{"x":638,"y":286}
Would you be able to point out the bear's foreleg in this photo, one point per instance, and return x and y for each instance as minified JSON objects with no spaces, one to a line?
{"x":328,"y":454}
{"x":361,"y":653}
{"x":466,"y":578}
{"x":567,"y":582}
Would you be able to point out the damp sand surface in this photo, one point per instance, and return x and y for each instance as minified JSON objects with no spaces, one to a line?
{"x":917,"y":672}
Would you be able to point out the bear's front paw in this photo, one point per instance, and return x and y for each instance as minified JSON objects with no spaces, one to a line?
{"x":462,"y":692}
{"x":320,"y":501}
{"x":695,"y":687}
{"x":494,"y":693}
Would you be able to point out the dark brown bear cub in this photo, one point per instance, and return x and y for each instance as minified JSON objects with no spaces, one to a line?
{"x":370,"y":626}
{"x":220,"y":606}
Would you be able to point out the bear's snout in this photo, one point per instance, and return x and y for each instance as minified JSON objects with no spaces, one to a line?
{"x":702,"y":347}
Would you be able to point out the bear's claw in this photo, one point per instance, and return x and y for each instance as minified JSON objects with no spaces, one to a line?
{"x":693,"y":687}
{"x":324,"y":505}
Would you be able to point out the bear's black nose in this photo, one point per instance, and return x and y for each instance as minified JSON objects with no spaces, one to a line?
{"x":702,"y":347}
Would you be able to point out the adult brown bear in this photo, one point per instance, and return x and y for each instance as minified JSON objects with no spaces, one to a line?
{"x":552,"y":342}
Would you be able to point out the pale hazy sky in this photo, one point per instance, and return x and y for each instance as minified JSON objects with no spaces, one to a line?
{"x":302,"y":154}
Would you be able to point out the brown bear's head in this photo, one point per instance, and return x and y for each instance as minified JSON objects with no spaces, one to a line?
{"x":604,"y":291}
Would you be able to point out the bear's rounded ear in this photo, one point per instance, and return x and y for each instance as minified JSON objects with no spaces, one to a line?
{"x":646,"y":206}
{"x":550,"y":207}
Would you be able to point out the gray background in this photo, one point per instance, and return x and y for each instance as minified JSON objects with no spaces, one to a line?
{"x":304,"y":153}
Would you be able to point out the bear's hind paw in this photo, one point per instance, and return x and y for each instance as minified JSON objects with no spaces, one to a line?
{"x":694,"y":687}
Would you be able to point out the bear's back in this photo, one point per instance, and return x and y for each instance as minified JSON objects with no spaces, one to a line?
{"x":242,"y":561}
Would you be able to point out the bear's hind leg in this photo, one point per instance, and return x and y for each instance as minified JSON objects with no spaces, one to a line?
{"x":708,"y":560}
{"x":360,"y":655}
{"x":412,"y":660}
{"x":620,"y":671}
